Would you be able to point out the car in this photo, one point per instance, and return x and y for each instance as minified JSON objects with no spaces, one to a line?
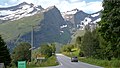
{"x":74,"y":59}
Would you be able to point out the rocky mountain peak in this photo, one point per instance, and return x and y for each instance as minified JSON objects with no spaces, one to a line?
{"x":19,"y":11}
{"x":51,"y":8}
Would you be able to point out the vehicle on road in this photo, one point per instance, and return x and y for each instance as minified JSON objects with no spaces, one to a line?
{"x":74,"y":59}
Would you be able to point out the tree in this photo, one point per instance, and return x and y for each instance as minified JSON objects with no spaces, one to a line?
{"x":78,"y":40}
{"x":53,"y":47}
{"x":21,"y":52}
{"x":46,"y":50}
{"x":95,"y":44}
{"x":67,"y":48}
{"x":90,"y":44}
{"x":110,"y":27}
{"x":4,"y":53}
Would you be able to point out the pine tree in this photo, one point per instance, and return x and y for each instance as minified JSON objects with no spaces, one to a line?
{"x":4,"y":53}
{"x":110,"y":28}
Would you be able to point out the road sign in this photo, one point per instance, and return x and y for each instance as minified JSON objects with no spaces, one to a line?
{"x":40,"y":57}
{"x":21,"y":64}
{"x":2,"y":65}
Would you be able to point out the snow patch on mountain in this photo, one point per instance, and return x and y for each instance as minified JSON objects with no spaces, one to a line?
{"x":99,"y":19}
{"x":72,"y":11}
{"x":69,"y":14}
{"x":86,"y":20}
{"x":22,"y":11}
{"x":94,"y":15}
{"x":63,"y":26}
{"x":49,"y":8}
{"x":25,"y":7}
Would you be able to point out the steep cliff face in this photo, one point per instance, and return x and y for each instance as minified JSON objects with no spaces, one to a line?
{"x":53,"y":28}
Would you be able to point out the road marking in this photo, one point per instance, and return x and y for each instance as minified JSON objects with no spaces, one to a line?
{"x":60,"y":64}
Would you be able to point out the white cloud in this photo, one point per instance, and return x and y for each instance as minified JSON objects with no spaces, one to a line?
{"x":93,"y":7}
{"x":66,"y":5}
{"x":74,"y":0}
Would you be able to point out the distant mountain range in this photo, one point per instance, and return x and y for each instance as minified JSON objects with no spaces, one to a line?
{"x":17,"y":23}
{"x":19,"y":11}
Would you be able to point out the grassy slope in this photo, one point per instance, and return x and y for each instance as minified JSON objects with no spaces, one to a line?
{"x":12,"y":29}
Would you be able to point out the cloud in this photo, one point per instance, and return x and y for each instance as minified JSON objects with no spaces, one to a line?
{"x":63,"y":5}
{"x":93,"y":7}
{"x":90,"y":7}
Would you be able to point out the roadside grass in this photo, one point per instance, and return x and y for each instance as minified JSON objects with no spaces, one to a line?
{"x":114,"y":63}
{"x":104,"y":63}
{"x":49,"y":62}
{"x":75,"y":52}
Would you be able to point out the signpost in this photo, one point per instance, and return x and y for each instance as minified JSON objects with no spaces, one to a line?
{"x":2,"y":65}
{"x":40,"y":58}
{"x":21,"y":64}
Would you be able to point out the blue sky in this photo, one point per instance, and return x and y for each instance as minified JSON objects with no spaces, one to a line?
{"x":89,"y":6}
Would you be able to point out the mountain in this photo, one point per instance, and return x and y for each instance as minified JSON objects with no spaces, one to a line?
{"x":78,"y":19}
{"x":25,"y":21}
{"x":50,"y":28}
{"x":16,"y":12}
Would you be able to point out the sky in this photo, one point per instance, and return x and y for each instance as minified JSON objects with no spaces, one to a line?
{"x":88,"y":6}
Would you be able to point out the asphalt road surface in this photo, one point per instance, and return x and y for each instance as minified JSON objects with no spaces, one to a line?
{"x":65,"y":62}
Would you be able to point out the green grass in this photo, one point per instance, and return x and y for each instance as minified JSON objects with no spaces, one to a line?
{"x":104,"y":63}
{"x":75,"y":52}
{"x":114,"y":63}
{"x":49,"y":62}
{"x":11,"y":29}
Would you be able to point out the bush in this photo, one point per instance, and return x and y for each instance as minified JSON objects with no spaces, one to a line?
{"x":51,"y":61}
{"x":81,"y":54}
{"x":21,"y":53}
{"x":46,"y":50}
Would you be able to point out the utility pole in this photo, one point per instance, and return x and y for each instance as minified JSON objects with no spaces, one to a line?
{"x":32,"y":40}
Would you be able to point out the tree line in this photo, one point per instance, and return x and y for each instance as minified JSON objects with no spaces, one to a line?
{"x":22,"y":52}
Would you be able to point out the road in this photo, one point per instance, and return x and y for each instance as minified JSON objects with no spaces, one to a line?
{"x":65,"y":62}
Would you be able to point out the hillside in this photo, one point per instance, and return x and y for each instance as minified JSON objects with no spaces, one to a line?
{"x":11,"y":29}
